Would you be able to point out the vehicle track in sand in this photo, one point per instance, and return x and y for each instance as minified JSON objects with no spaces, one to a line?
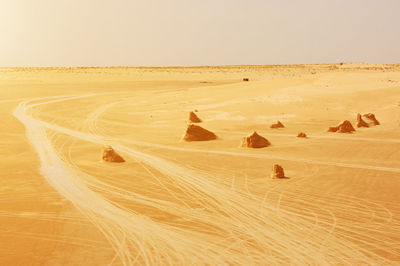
{"x":226,"y":227}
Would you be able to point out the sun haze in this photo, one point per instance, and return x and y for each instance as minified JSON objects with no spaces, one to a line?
{"x":183,"y":33}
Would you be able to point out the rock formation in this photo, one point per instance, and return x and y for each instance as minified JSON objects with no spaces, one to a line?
{"x":343,"y":127}
{"x":277,"y":171}
{"x":372,"y":119}
{"x":255,"y":141}
{"x":194,"y":118}
{"x":109,"y":155}
{"x":277,"y":125}
{"x":197,"y":133}
{"x":332,"y":129}
{"x":302,"y":135}
{"x":361,"y":122}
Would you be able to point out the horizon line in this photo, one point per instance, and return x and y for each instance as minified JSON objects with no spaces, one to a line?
{"x":200,"y":66}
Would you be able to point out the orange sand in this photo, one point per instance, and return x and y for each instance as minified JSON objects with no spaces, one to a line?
{"x":193,"y":203}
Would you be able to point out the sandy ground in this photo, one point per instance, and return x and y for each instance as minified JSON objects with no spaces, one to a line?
{"x":190,"y":203}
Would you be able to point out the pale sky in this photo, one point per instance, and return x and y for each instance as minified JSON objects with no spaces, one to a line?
{"x":201,"y":32}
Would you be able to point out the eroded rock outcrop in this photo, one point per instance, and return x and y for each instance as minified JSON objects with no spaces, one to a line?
{"x":371,"y":119}
{"x":361,"y":122}
{"x":302,"y":135}
{"x":197,"y":133}
{"x":110,"y":155}
{"x":277,"y":171}
{"x":277,"y":125}
{"x":343,"y":127}
{"x":194,"y":118}
{"x":255,"y":141}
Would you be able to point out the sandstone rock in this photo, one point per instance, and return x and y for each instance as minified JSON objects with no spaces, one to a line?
{"x":302,"y":135}
{"x":109,"y":155}
{"x":194,"y":118}
{"x":361,"y":122}
{"x":343,"y":127}
{"x":197,"y":133}
{"x":277,"y":125}
{"x":333,"y":129}
{"x":372,"y":119}
{"x":277,"y":171}
{"x":255,"y":141}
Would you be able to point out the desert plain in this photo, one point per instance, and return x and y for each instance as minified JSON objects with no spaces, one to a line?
{"x":174,"y":202}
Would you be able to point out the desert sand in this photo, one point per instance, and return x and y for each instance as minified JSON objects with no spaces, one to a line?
{"x":177,"y":202}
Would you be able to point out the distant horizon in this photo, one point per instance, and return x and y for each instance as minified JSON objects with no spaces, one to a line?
{"x":193,"y":33}
{"x":194,"y":66}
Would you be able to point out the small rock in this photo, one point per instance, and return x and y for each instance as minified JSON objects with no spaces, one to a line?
{"x":194,"y":118}
{"x":361,"y":122}
{"x":255,"y":141}
{"x":277,"y":125}
{"x":372,"y":119}
{"x":343,"y":127}
{"x":109,"y":155}
{"x":277,"y":171}
{"x":302,"y":135}
{"x":197,"y":133}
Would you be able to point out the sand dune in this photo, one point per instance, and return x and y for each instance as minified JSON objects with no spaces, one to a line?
{"x":174,"y":202}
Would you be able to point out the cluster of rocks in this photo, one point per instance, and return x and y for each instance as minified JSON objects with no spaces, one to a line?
{"x":347,"y":127}
{"x":254,"y":140}
{"x":198,"y":133}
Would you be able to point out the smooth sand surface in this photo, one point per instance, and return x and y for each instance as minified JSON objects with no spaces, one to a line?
{"x":209,"y":202}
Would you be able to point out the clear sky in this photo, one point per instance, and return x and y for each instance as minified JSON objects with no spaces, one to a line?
{"x":197,"y":32}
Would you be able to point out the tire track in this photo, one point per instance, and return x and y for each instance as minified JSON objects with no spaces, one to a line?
{"x":238,"y":231}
